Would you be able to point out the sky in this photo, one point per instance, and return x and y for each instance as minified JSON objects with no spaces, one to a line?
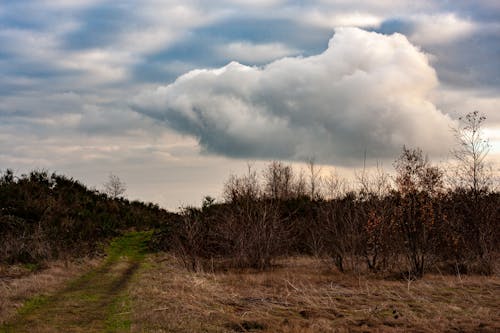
{"x":174,"y":96}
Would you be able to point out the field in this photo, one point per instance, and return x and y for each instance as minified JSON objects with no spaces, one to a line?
{"x":154,"y":293}
{"x":301,"y":295}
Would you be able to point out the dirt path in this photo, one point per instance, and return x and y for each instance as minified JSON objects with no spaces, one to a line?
{"x":95,"y":302}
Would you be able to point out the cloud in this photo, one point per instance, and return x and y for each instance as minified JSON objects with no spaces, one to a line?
{"x":366,"y":91}
{"x":349,"y":19}
{"x":443,"y":28}
{"x":258,"y":3}
{"x":255,"y":53}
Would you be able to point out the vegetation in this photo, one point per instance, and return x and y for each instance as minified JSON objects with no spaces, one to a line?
{"x":45,"y":217}
{"x":407,"y":225}
{"x":301,"y":294}
{"x":413,"y":227}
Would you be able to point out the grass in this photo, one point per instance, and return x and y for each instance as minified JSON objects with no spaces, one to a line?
{"x":302,"y":295}
{"x":21,"y":285}
{"x":33,"y":303}
{"x":95,"y":302}
{"x":133,"y":245}
{"x":118,"y":315}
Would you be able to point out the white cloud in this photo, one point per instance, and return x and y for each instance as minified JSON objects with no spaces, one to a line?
{"x":366,"y":91}
{"x":348,"y":19}
{"x":457,"y":105}
{"x":158,"y":25}
{"x":69,"y":4}
{"x":255,"y":53}
{"x":441,"y":28}
{"x":258,"y":3}
{"x":29,"y":44}
{"x":99,"y":65}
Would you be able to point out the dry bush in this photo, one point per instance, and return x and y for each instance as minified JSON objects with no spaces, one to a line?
{"x":340,"y":229}
{"x":247,"y":231}
{"x":254,"y":232}
{"x":471,"y":234}
{"x":407,"y":230}
{"x":241,"y":234}
{"x":21,"y":242}
{"x":416,"y":216}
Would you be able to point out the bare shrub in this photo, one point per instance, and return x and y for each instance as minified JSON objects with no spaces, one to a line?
{"x":340,"y":228}
{"x":192,"y":241}
{"x":407,"y":224}
{"x":244,"y":188}
{"x":254,"y":232}
{"x":247,"y":234}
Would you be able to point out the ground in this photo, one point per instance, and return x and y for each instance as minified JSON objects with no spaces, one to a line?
{"x":305,"y":295}
{"x":95,"y":302}
{"x":131,"y":292}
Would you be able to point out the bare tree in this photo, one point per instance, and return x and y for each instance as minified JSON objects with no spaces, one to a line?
{"x":278,"y":179}
{"x":114,"y":187}
{"x":314,"y":178}
{"x":480,"y":218}
{"x":335,"y":186}
{"x":299,"y":185}
{"x":373,"y":184}
{"x":472,"y":171}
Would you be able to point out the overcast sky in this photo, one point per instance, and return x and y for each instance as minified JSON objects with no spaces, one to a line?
{"x":173,"y":96}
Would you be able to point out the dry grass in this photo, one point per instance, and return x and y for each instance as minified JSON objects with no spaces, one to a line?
{"x":20,"y":283}
{"x":301,"y":295}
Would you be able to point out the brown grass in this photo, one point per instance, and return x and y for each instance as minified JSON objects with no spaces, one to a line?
{"x":302,"y":295}
{"x":18,"y":283}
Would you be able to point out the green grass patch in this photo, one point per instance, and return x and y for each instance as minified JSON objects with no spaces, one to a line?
{"x":88,"y":297}
{"x":32,"y":267}
{"x":133,"y":245}
{"x":119,"y":315}
{"x":33,"y":304}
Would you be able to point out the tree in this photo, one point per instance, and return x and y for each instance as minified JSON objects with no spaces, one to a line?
{"x":416,"y":215}
{"x":471,"y":152}
{"x":278,"y":179}
{"x":314,"y":178}
{"x":114,"y":187}
{"x":479,"y":216}
{"x":415,"y":174}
